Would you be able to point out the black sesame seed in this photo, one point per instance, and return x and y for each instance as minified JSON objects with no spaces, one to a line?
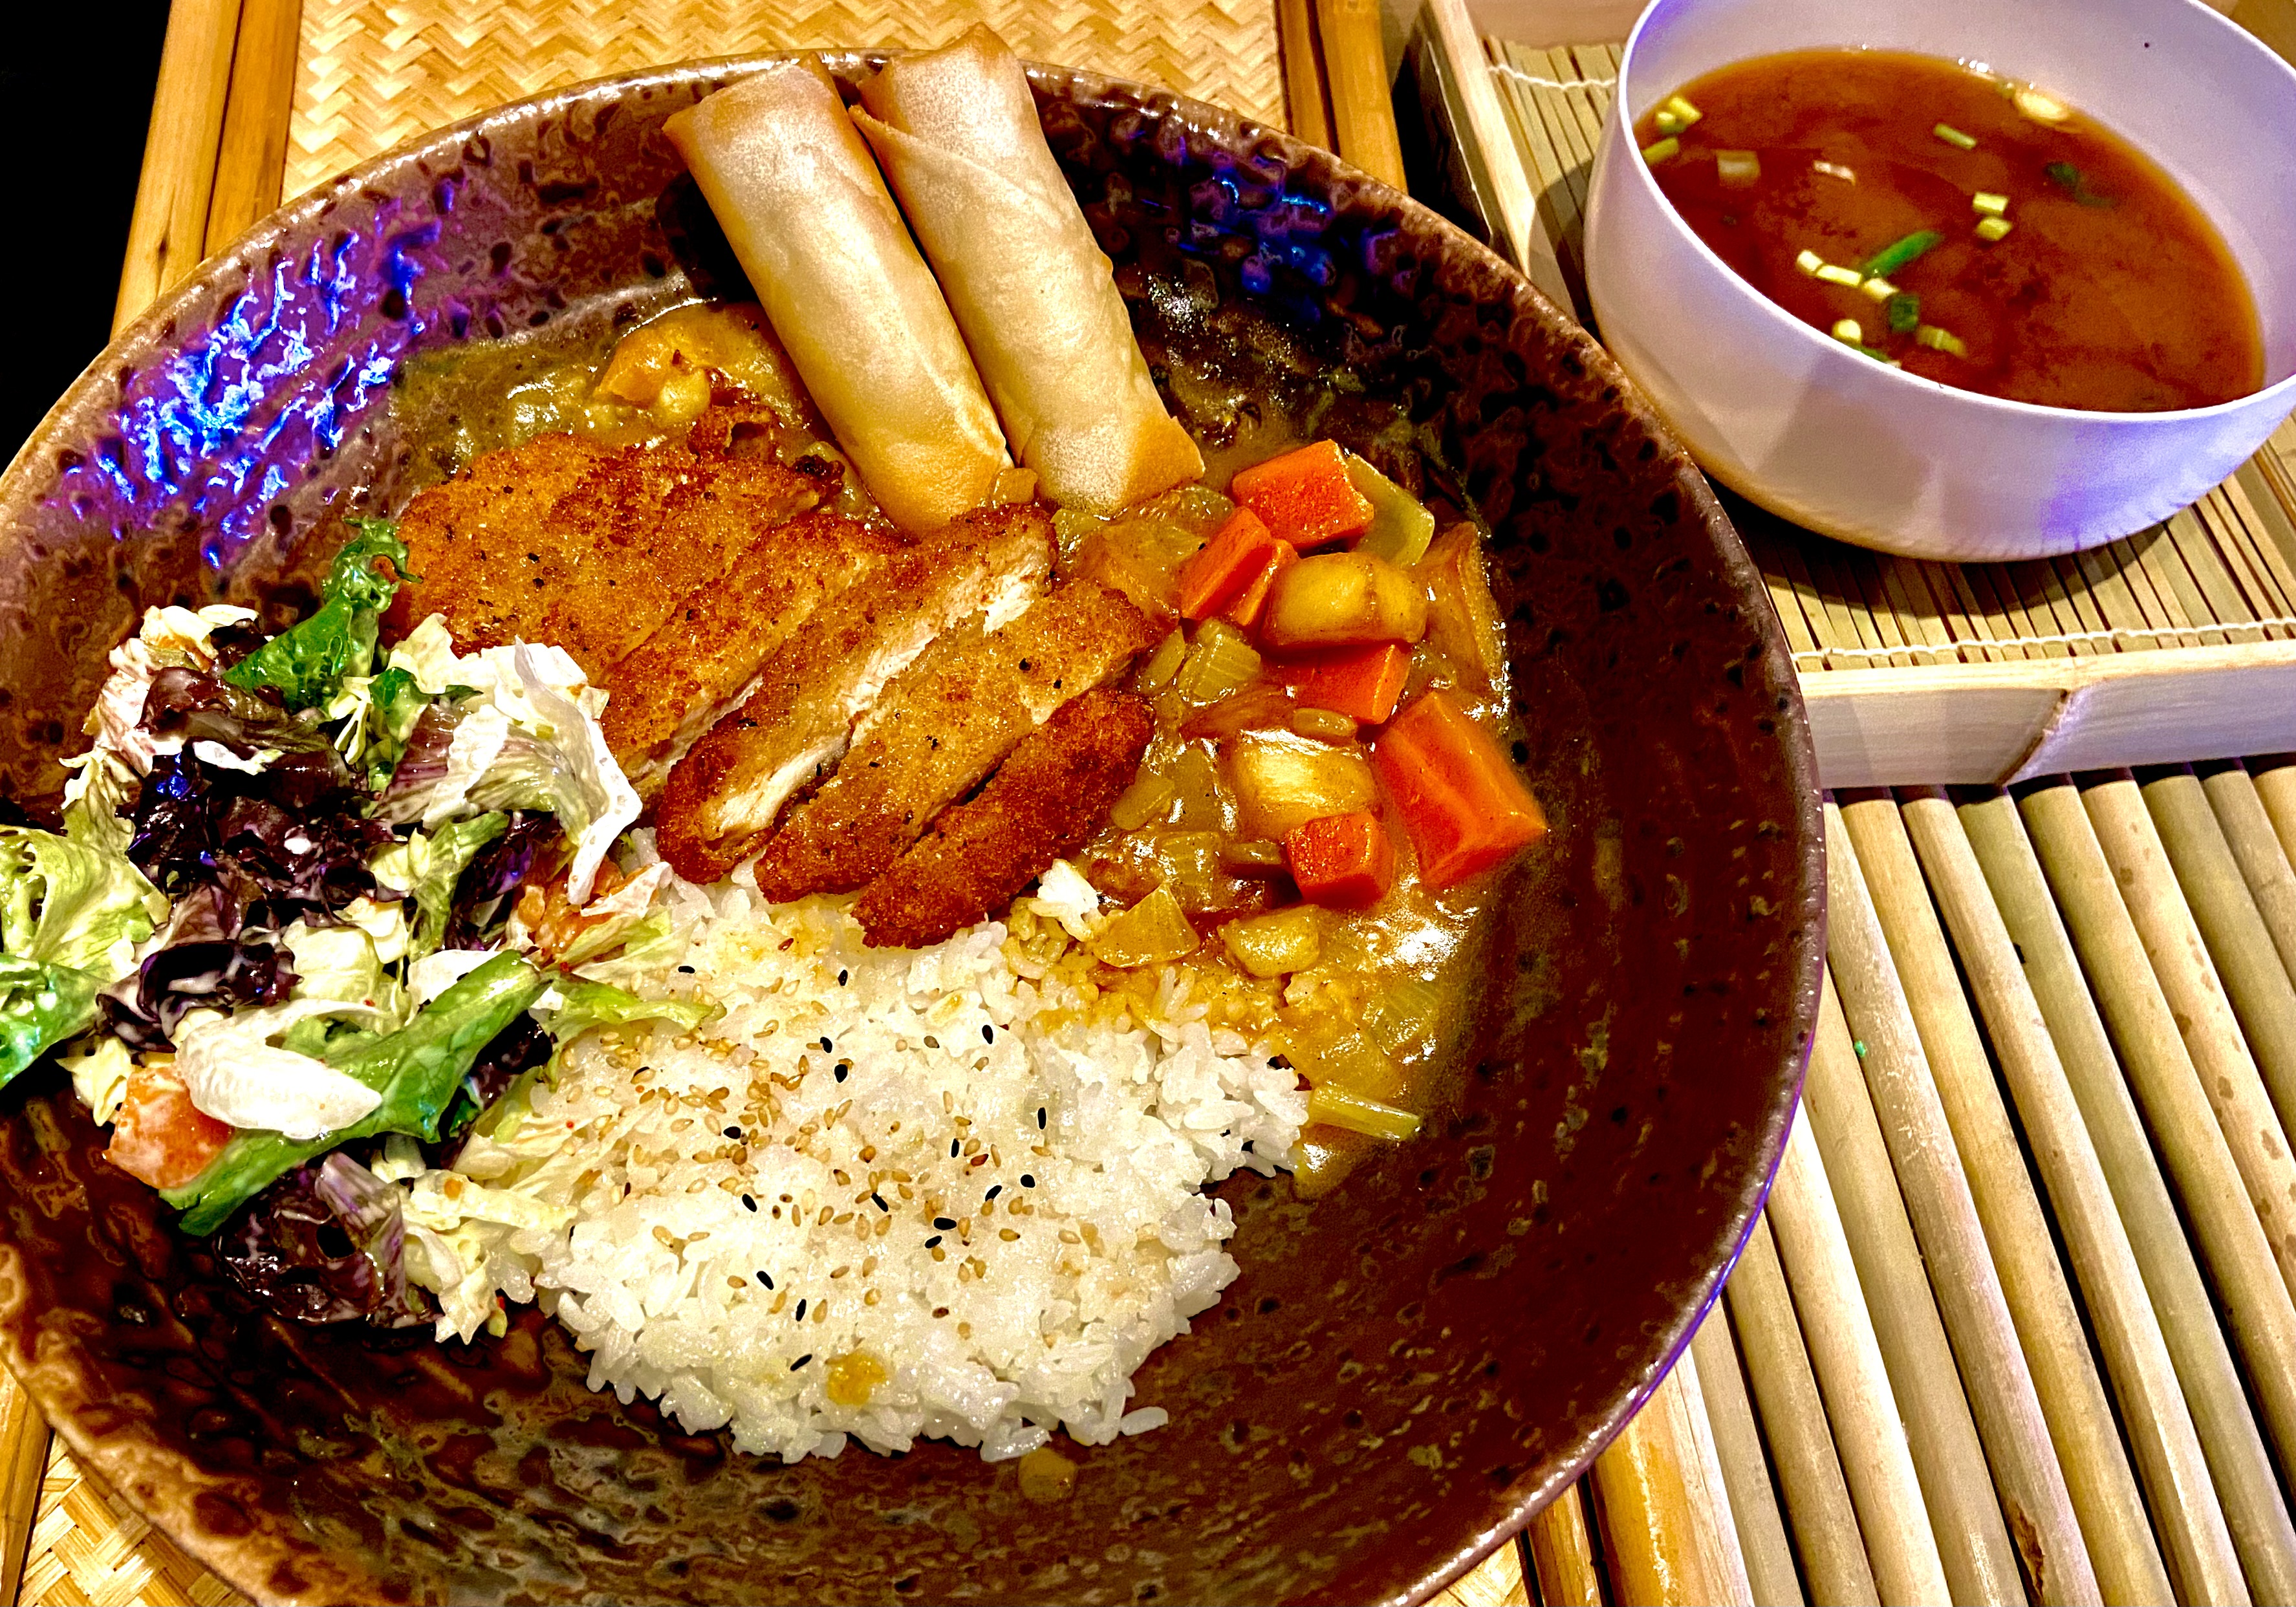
{"x":880,"y":1200}
{"x":801,"y":1311}
{"x":826,"y":1046}
{"x":686,"y":970}
{"x":732,"y":1131}
{"x":841,"y":978}
{"x":1027,"y":1180}
{"x":762,"y":1278}
{"x":801,"y":1361}
{"x":995,"y":1190}
{"x":987,"y":1033}
{"x":1041,"y":1118}
{"x":749,"y":1204}
{"x":840,"y":1072}
{"x":1247,"y":1146}
{"x":933,"y":1243}
{"x":952,"y":1149}
{"x":944,"y":1223}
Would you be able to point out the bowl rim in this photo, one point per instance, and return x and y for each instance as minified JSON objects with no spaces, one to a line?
{"x":1616,"y":137}
{"x":1510,"y":1509}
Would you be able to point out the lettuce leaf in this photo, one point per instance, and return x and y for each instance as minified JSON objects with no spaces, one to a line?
{"x":40,"y":1005}
{"x":417,"y":1070}
{"x":70,"y":919}
{"x":426,"y":867}
{"x":572,"y":1007}
{"x":305,"y":665}
{"x":65,"y":903}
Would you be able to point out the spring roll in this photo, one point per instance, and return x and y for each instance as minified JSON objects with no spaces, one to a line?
{"x":842,"y":284}
{"x":956,"y":131}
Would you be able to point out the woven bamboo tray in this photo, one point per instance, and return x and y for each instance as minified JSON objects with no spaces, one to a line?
{"x":2178,"y":643}
{"x":1806,"y":1446}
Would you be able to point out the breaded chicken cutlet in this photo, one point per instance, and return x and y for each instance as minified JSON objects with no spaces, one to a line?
{"x":723,"y":797}
{"x":1046,"y":802}
{"x":943,"y":724}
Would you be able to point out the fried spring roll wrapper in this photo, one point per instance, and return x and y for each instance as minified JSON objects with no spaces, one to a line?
{"x":956,"y":131}
{"x":824,"y":248}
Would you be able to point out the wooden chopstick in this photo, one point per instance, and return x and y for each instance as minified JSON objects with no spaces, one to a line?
{"x":2088,"y":1451}
{"x":2247,"y":1488}
{"x":1363,"y":95}
{"x":251,"y":151}
{"x":1778,"y":1371}
{"x":1971,"y":1537}
{"x":167,"y":238}
{"x":1868,"y":1432}
{"x":1307,"y":96}
{"x":1745,"y":1470}
{"x":2199,"y":1550}
{"x":2001,"y":1391}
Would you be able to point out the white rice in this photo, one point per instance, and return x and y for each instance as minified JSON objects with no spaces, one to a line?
{"x":624,"y":1203}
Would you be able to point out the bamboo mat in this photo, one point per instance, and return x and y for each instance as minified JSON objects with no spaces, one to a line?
{"x":2221,"y":573}
{"x":2045,"y":1120}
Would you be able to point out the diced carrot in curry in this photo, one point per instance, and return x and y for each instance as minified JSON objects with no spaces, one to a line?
{"x":1306,"y":496}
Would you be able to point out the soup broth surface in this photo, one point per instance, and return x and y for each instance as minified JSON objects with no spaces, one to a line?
{"x":2109,"y":289}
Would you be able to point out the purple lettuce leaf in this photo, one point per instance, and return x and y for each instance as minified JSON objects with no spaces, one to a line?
{"x":530,"y":849}
{"x":326,"y":1243}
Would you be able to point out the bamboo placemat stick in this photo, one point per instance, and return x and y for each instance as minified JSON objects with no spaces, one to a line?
{"x":1867,"y":1430}
{"x":1497,"y":1581}
{"x":1658,"y":1519}
{"x":2262,"y":1312}
{"x":1770,"y":1576}
{"x":1809,"y":1468}
{"x":2096,"y":1472}
{"x":2211,"y":1037}
{"x":1562,"y":1554}
{"x":23,"y":1460}
{"x":2275,"y":789}
{"x":1306,"y":98}
{"x":2199,"y":1547}
{"x":1709,"y":1492}
{"x":251,"y":152}
{"x":2238,"y":941}
{"x":1973,"y":1537}
{"x":1363,"y":95}
{"x":2263,"y":864}
{"x":167,"y":238}
{"x":2002,"y":1395}
{"x":2199,"y":1156}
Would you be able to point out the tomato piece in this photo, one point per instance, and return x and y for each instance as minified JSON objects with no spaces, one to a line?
{"x":1306,"y":496}
{"x":159,"y":1136}
{"x":1461,"y":798}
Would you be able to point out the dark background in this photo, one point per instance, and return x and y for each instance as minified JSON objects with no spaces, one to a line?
{"x":76,"y":86}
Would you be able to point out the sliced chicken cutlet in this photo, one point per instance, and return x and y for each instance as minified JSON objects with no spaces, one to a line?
{"x":1047,"y":799}
{"x":476,"y":543}
{"x":589,"y":547}
{"x":941,"y":726}
{"x":723,"y":797}
{"x":669,"y":690}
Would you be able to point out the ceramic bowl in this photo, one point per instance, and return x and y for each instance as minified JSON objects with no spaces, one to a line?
{"x":1796,"y":421}
{"x":1407,"y":1367}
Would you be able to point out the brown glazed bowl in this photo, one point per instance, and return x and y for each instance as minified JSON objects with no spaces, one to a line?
{"x":1407,"y":1367}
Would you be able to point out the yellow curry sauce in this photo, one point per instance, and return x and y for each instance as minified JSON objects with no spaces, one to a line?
{"x":1192,"y":857}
